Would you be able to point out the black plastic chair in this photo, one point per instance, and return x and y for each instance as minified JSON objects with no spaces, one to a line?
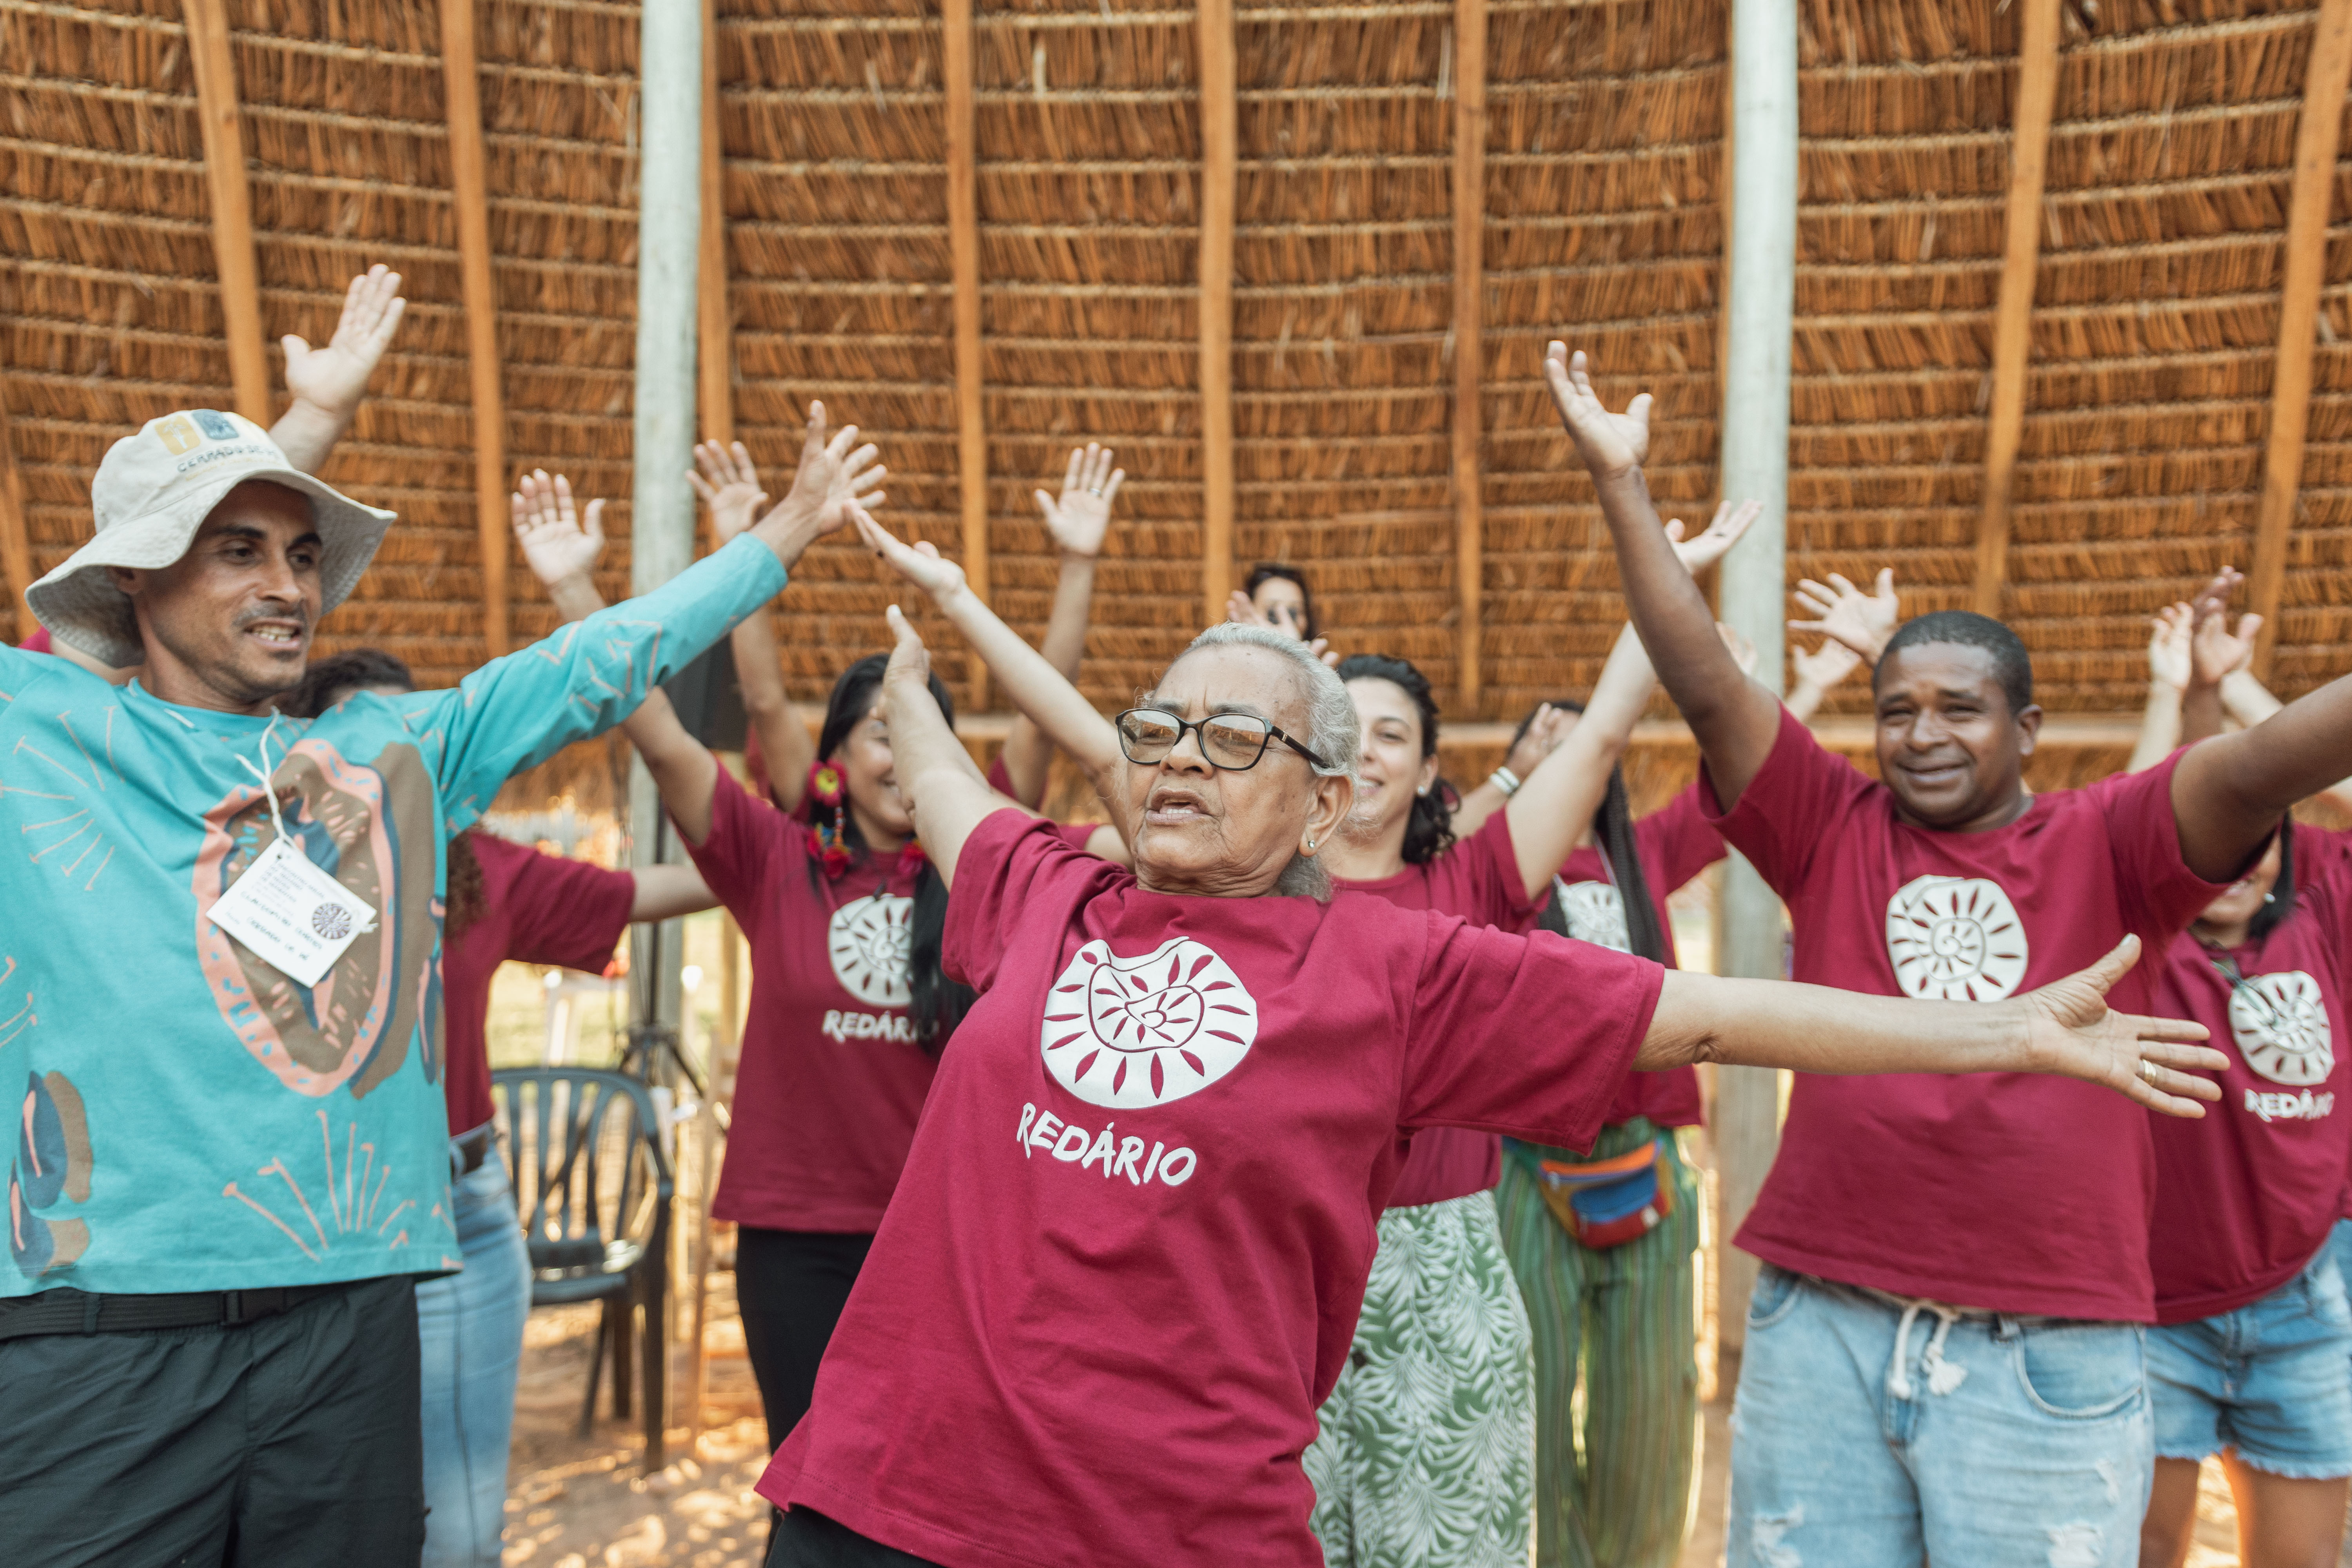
{"x":593,"y":1188}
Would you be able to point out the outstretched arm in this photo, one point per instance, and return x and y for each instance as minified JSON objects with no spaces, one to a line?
{"x":729,"y":486}
{"x":327,"y":382}
{"x":1555,"y":805}
{"x":1078,"y":522}
{"x":665,"y":892}
{"x":2167,"y":676}
{"x":1037,"y":687}
{"x":936,"y":774}
{"x":2063,"y":1028}
{"x":1735,"y":719}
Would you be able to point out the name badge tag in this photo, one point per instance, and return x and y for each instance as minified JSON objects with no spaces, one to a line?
{"x":297,"y":919}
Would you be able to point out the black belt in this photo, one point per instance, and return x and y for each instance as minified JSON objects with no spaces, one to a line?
{"x":69,"y":1311}
{"x":468,"y":1150}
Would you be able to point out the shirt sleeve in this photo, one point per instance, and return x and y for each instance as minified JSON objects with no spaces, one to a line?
{"x":751,"y":844}
{"x":1529,"y":1036}
{"x":1679,"y":840}
{"x":2159,"y":893}
{"x":19,"y":669}
{"x":567,"y":913}
{"x":516,"y":711}
{"x":1015,"y":877}
{"x":1796,"y":801}
{"x":1481,"y":880}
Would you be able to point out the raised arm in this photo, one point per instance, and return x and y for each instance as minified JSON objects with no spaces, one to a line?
{"x":730,"y":485}
{"x":1854,"y":628}
{"x":1554,"y":807}
{"x":2167,"y":678}
{"x":2063,"y":1028}
{"x":327,"y":382}
{"x":1077,"y":520}
{"x":1735,"y":719}
{"x":1037,"y":687}
{"x":946,"y":793}
{"x":2214,"y":656}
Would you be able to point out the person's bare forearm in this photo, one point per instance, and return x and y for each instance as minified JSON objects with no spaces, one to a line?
{"x":2159,"y":727}
{"x":307,"y":433}
{"x":2248,"y":701}
{"x":1555,"y":805}
{"x":2229,"y":792}
{"x":783,"y":736}
{"x":1027,"y":753}
{"x":665,"y":892}
{"x":1037,"y":687}
{"x":943,"y":788}
{"x":1734,"y":720}
{"x":1814,"y":1028}
{"x":682,"y":767}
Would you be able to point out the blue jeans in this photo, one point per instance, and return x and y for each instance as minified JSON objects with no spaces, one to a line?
{"x":1867,"y":1436}
{"x":2272,"y":1380}
{"x":469,"y":1330}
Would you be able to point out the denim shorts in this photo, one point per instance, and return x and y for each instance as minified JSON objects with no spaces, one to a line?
{"x":2272,"y":1380}
{"x":1868,"y":1433}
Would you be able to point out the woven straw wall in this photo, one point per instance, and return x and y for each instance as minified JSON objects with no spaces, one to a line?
{"x":2154,"y":325}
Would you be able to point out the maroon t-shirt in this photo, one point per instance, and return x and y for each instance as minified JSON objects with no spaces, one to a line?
{"x":536,"y":908}
{"x":2245,"y":1196}
{"x":1125,"y":1263}
{"x":833,"y":1075}
{"x":2013,"y":1192}
{"x":1674,"y":844}
{"x":1477,"y":879}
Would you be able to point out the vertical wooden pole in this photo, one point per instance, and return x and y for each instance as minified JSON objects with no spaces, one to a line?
{"x":1469,"y":292}
{"x":2327,"y":75}
{"x":715,"y":354}
{"x":221,"y":119}
{"x":2029,"y":149}
{"x":470,"y":187}
{"x":963,"y":245}
{"x":1760,"y":296}
{"x":1220,"y":140}
{"x":16,"y":535}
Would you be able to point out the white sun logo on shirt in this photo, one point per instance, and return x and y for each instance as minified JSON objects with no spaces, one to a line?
{"x":2280,"y":1025}
{"x":1123,"y":1032}
{"x":868,"y":942}
{"x":1955,"y":939}
{"x":1595,"y":914}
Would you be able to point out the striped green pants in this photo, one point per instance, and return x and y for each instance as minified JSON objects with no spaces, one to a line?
{"x":1618,"y":1494}
{"x":1427,"y":1445}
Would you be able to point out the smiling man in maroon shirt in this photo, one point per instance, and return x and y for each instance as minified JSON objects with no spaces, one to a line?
{"x":1944,"y":1354}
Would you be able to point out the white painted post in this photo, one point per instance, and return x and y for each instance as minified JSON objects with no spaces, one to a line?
{"x":1759,"y":289}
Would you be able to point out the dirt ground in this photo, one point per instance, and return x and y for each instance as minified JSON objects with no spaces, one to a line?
{"x":575,"y":1502}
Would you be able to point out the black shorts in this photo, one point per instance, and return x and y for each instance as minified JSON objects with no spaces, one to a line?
{"x":806,"y":1539}
{"x":294,"y":1440}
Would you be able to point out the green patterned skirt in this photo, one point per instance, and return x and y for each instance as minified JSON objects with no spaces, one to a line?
{"x":1426,"y":1455}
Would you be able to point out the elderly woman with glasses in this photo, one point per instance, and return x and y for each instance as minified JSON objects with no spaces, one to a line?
{"x":1124,"y":1262}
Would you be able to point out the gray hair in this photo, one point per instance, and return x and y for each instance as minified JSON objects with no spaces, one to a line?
{"x":1334,"y":731}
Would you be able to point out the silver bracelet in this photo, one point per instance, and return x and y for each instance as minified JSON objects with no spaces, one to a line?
{"x":1506,"y":781}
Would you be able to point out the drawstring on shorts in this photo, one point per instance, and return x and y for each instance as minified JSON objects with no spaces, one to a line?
{"x":1942,"y":1377}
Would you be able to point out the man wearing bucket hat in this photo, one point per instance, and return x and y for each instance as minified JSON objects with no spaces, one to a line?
{"x":219,"y":998}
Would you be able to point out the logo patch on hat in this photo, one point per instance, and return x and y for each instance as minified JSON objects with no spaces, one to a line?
{"x":217,"y":425}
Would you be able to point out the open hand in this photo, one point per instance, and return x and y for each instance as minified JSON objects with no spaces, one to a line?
{"x":1545,"y":732}
{"x":2170,"y":661}
{"x":835,"y":475}
{"x":728,"y":484}
{"x":919,"y":564}
{"x":1845,"y":613}
{"x":2071,"y":1031}
{"x":1825,"y":666}
{"x":556,"y":545}
{"x":1730,"y":522}
{"x":1610,"y":444}
{"x":2215,"y":654}
{"x":1079,"y":520}
{"x":1241,"y":610}
{"x":334,"y":378}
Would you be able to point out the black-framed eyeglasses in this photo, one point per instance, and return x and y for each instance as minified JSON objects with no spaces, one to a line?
{"x":1233,"y":742}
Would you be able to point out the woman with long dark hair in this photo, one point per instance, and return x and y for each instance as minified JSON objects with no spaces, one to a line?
{"x":848,"y":1010}
{"x":506,"y":900}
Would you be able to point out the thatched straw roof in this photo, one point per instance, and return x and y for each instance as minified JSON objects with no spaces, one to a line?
{"x":2153,"y":331}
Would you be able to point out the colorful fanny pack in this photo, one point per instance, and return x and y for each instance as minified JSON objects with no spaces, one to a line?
{"x":1609,"y":1202}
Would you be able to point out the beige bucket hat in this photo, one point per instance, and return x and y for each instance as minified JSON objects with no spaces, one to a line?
{"x":153,"y":492}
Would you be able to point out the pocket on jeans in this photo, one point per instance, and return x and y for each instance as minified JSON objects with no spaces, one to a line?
{"x":2322,"y":1286}
{"x":2082,"y":1373}
{"x":1774,"y":1298}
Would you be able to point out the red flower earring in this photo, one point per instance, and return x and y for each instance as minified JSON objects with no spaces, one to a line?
{"x":828,"y":840}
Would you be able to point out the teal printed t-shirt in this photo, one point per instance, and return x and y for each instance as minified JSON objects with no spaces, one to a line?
{"x":185,"y":1116}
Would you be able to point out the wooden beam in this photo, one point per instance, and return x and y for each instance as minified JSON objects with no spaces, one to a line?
{"x":2029,"y":149}
{"x":461,"y":90}
{"x":16,"y":535}
{"x":2326,"y":75}
{"x":964,"y":246}
{"x":1469,"y":346}
{"x":1220,"y":141}
{"x":715,"y":351}
{"x":222,"y":121}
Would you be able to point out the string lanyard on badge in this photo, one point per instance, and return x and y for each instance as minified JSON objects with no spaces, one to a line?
{"x":2240,"y":985}
{"x":263,"y":773}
